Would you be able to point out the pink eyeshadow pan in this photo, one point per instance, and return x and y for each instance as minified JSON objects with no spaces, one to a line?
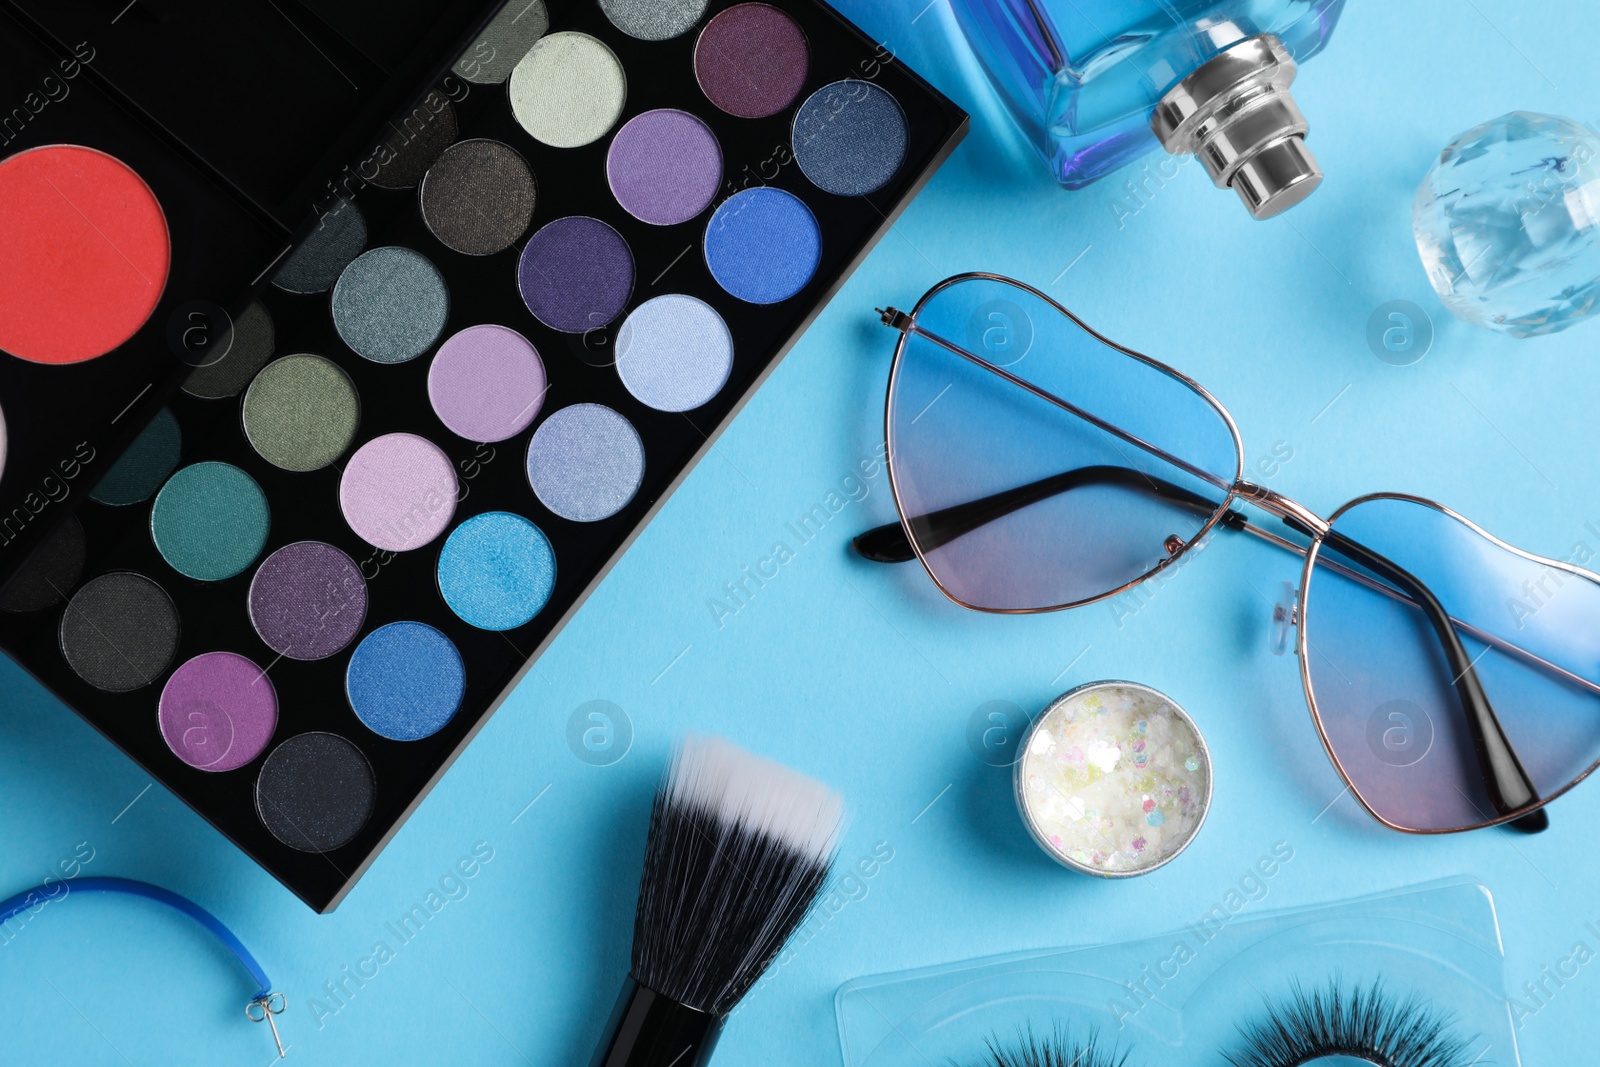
{"x":398,"y":492}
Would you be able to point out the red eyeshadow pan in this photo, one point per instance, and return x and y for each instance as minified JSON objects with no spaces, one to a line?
{"x":84,"y":254}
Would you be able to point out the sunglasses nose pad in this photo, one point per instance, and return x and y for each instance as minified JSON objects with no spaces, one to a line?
{"x":1285,"y":615}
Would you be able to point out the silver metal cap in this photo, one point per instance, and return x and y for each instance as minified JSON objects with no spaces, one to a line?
{"x":1237,"y":115}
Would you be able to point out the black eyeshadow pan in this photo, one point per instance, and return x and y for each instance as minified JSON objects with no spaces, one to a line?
{"x":119,"y":632}
{"x":315,"y":792}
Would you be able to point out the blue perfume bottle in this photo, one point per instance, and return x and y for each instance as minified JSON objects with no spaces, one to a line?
{"x":1095,"y":84}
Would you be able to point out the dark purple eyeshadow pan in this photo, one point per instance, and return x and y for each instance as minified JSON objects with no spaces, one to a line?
{"x":308,"y":600}
{"x":576,"y":274}
{"x":752,"y":60}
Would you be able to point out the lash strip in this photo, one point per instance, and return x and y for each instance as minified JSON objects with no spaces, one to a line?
{"x":1365,"y":1023}
{"x":1058,"y":1049}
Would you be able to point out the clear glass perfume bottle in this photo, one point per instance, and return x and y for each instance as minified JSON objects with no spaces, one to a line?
{"x":1095,"y":84}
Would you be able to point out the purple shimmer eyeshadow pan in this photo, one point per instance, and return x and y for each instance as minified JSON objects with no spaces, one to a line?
{"x":308,"y":600}
{"x":218,"y":711}
{"x":664,"y":167}
{"x":487,"y":383}
{"x":752,"y":60}
{"x":576,"y":274}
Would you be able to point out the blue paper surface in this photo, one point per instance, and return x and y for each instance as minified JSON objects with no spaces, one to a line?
{"x":865,"y":676}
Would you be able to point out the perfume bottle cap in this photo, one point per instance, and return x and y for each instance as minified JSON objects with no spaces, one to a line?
{"x":1235,"y":113}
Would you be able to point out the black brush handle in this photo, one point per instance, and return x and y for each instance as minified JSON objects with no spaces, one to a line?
{"x":650,"y":1029}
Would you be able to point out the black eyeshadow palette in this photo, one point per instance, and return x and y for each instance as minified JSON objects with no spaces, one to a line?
{"x":529,"y":309}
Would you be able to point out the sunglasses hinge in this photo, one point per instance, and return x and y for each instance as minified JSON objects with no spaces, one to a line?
{"x":1291,"y":511}
{"x":895,"y":319}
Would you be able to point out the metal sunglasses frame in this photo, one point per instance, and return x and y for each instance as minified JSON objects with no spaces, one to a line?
{"x":1528,"y":817}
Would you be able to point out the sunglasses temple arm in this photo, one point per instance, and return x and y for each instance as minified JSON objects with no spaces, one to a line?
{"x":891,"y":544}
{"x":1509,"y":786}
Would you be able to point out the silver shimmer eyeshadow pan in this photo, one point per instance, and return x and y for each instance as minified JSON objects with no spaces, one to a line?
{"x":390,"y":305}
{"x":654,"y":20}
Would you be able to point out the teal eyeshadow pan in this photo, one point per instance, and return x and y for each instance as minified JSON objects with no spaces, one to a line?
{"x":210,"y":521}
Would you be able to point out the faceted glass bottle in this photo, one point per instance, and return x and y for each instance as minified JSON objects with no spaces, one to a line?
{"x":1082,"y":77}
{"x":1508,"y":224}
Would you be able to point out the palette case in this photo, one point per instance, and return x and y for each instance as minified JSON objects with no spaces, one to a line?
{"x":237,"y":235}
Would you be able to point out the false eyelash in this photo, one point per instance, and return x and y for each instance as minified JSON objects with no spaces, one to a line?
{"x":1056,"y":1050}
{"x":1363,"y":1023}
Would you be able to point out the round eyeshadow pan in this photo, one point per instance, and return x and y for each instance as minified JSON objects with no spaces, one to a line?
{"x":478,"y":198}
{"x":50,"y":573}
{"x":315,"y":792}
{"x":218,"y":711}
{"x":763,"y":245}
{"x":568,"y":90}
{"x":425,"y":132}
{"x":398,"y":492}
{"x":576,"y":274}
{"x":146,"y":463}
{"x":300,"y":413}
{"x":497,"y":571}
{"x":245,"y":351}
{"x":210,"y":521}
{"x":84,"y":254}
{"x":119,"y":632}
{"x":390,"y":305}
{"x":405,"y":681}
{"x":504,"y":42}
{"x":674,"y":353}
{"x":654,"y":20}
{"x":313,"y":267}
{"x":664,"y":167}
{"x":850,"y":138}
{"x":586,"y":462}
{"x":752,"y":60}
{"x":307,"y":600}
{"x":487,"y":383}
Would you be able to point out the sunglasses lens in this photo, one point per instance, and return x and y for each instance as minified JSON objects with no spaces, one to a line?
{"x":1016,"y":503}
{"x":1391,"y":694}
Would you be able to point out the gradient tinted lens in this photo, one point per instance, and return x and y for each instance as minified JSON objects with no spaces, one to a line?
{"x":1386,"y":688}
{"x":1017,"y":504}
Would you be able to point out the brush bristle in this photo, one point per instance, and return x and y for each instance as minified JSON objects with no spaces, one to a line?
{"x":740,"y":848}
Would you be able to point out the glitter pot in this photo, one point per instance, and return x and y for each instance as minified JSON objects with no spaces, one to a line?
{"x":1113,"y":779}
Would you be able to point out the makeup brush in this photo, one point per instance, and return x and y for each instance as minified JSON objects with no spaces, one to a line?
{"x":740,"y":848}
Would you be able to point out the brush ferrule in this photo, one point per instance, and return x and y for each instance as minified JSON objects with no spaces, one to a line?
{"x":650,"y":1029}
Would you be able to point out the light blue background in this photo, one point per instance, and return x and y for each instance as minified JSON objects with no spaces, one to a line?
{"x":864,"y":676}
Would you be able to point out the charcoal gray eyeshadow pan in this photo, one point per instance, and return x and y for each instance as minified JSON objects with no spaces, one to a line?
{"x":119,"y":632}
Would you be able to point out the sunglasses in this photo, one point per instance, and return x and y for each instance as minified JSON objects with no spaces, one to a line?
{"x":1039,"y":466}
